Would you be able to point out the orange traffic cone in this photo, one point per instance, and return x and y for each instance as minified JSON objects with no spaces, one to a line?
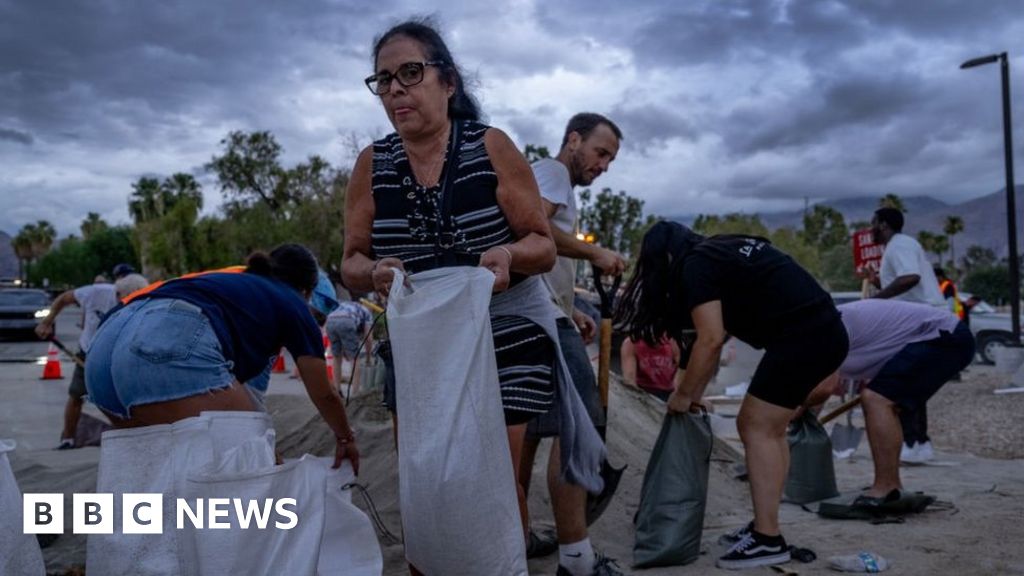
{"x":329,"y":358}
{"x":279,"y":367}
{"x":51,"y":371}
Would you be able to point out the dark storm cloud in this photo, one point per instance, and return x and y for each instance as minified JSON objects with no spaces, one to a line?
{"x":16,"y":136}
{"x":79,"y":63}
{"x":651,"y":125}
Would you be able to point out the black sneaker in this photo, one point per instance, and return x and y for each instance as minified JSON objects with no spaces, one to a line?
{"x":755,"y":549}
{"x":66,"y":444}
{"x":541,"y":545}
{"x":736,"y":535}
{"x":603,"y":566}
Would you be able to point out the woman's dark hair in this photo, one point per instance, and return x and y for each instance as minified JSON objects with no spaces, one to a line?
{"x":652,"y":305}
{"x":462,"y":105}
{"x":292,"y":264}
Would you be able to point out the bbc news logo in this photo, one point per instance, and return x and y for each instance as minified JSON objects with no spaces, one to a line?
{"x":143,"y":513}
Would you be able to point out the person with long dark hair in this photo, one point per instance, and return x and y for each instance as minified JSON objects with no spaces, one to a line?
{"x":192,"y":344}
{"x":743,"y":286}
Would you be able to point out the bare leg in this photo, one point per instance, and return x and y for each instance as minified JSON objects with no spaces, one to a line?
{"x":762,"y":428}
{"x":338,"y":362}
{"x":886,"y":437}
{"x":354,"y":378}
{"x":530,"y":446}
{"x":568,"y":502}
{"x":72,"y":413}
{"x":516,"y":435}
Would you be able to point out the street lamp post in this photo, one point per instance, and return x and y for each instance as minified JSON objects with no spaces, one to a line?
{"x":1011,"y":197}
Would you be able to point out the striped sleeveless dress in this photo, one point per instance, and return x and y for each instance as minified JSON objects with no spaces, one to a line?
{"x":429,"y":228}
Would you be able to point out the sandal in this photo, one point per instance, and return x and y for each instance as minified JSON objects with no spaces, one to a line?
{"x":865,"y":501}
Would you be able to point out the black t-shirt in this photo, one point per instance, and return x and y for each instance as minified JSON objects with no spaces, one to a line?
{"x":765,"y":294}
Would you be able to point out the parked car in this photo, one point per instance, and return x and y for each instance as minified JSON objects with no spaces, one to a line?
{"x":21,"y":309}
{"x":991,"y":329}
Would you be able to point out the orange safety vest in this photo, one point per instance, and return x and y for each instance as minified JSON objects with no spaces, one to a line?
{"x":958,"y":306}
{"x":159,"y":283}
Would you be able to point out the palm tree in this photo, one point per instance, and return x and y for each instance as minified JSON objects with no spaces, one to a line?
{"x":22,"y":244}
{"x":145,"y":203}
{"x":953,"y":226}
{"x":891,"y":200}
{"x":42,"y":238}
{"x":181,"y":186}
{"x":92,"y":225}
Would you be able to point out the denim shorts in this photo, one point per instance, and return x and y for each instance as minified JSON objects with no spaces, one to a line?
{"x":154,"y":350}
{"x":344,"y":335}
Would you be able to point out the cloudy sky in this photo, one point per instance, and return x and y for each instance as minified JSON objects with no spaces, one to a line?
{"x":726,"y":105}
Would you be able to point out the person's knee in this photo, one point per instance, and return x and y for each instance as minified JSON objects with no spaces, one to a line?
{"x":754,"y":424}
{"x":873,"y":400}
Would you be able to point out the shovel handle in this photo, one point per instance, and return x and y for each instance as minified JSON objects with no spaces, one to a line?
{"x":604,"y":361}
{"x":840,"y":410}
{"x":65,"y":350}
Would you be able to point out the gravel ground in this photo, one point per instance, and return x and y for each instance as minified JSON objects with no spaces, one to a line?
{"x":968,"y":417}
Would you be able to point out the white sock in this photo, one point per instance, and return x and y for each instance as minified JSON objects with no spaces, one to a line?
{"x":577,"y":558}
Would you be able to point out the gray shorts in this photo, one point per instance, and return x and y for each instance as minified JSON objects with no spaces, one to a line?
{"x":578,"y":361}
{"x":77,"y":387}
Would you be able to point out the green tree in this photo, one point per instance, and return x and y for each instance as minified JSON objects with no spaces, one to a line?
{"x":952,"y":226}
{"x":614,"y":219}
{"x":22,"y":245}
{"x":936,"y":244}
{"x":837,"y":271}
{"x":792,"y":242}
{"x":249,"y":170}
{"x":733,"y":223}
{"x":534,"y":153}
{"x":978,"y":258}
{"x":92,"y":225}
{"x":991,"y":284}
{"x":891,"y":200}
{"x":825,"y":227}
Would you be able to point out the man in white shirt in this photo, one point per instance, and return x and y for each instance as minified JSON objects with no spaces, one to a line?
{"x":95,"y":300}
{"x":906,"y":274}
{"x":590,"y":144}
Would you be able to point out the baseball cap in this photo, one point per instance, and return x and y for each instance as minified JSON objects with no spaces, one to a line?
{"x":324,"y":298}
{"x":123,"y":270}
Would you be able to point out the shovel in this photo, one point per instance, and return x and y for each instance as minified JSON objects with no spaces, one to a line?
{"x":597,"y":504}
{"x":78,"y":360}
{"x":844,"y":436}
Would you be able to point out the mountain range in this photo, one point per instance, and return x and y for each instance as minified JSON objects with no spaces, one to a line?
{"x":984,"y":218}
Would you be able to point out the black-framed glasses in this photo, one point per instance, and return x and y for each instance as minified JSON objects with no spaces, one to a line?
{"x":408,"y":74}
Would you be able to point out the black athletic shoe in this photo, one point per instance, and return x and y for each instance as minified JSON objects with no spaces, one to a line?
{"x":755,"y":549}
{"x":736,"y":535}
{"x":603,"y":566}
{"x":541,"y":545}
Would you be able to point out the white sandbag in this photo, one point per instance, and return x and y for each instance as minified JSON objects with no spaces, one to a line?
{"x":157,"y":459}
{"x":19,"y":553}
{"x":328,"y":535}
{"x":460,"y":513}
{"x":147,"y":460}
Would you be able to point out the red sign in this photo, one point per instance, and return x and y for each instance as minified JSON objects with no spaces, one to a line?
{"x":866,"y":254}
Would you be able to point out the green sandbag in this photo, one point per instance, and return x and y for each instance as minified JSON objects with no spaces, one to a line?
{"x":670,"y":518}
{"x":812,"y":476}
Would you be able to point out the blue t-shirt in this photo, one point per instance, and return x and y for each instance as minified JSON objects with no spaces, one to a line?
{"x":252,"y":316}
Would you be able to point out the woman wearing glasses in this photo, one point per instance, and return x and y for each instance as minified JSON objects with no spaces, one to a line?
{"x":446,"y":190}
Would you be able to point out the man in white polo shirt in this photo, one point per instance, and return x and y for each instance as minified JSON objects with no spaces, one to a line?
{"x":907,"y":275}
